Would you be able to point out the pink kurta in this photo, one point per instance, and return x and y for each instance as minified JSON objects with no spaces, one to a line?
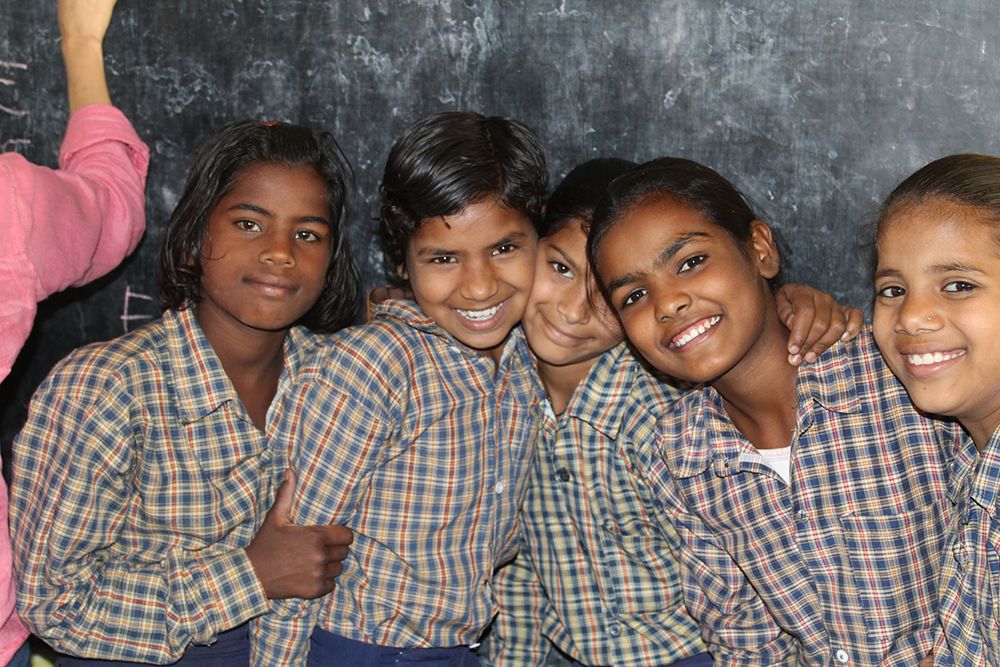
{"x":60,"y":228}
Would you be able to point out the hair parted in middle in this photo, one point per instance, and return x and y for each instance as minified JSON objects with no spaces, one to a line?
{"x":216,"y":168}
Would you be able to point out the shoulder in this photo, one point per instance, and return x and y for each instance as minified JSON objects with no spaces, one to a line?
{"x":94,"y":368}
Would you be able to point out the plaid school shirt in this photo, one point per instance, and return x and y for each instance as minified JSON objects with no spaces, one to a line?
{"x":595,"y":575}
{"x":422,"y":446}
{"x":970,"y":577}
{"x":139,"y":478}
{"x":841,"y":565}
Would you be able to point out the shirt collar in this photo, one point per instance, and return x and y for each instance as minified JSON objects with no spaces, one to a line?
{"x":828,"y":383}
{"x":200,"y":383}
{"x":615,"y":386}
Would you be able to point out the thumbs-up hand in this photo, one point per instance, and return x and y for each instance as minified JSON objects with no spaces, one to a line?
{"x":296,"y":561}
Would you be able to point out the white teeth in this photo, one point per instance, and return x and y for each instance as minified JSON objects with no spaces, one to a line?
{"x":694,"y":332}
{"x":477,"y":315}
{"x":932,"y":357}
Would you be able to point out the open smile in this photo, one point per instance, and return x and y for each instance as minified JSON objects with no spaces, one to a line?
{"x":694,"y":332}
{"x":927,"y":364}
{"x":481,"y":319}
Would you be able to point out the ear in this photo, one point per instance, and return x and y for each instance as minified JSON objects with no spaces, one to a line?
{"x":764,"y":250}
{"x":402,"y":272}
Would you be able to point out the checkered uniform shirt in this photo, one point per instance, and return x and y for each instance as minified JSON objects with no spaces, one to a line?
{"x":422,"y":446}
{"x":594,"y":574}
{"x":970,"y":577}
{"x":138,"y":480}
{"x":841,"y":565}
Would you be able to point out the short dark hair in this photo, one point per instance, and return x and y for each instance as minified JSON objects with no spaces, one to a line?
{"x":444,"y":163}
{"x":216,"y":168}
{"x":580,"y":192}
{"x":691,"y":183}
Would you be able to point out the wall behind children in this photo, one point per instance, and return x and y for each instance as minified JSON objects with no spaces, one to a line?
{"x":814,"y":108}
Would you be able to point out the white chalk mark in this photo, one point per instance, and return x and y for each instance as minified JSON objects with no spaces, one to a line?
{"x":17,"y":113}
{"x":7,"y":82}
{"x":12,"y":144}
{"x":12,"y":65}
{"x":128,"y":317}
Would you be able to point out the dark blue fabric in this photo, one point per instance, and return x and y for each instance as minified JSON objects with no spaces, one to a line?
{"x":328,"y":649}
{"x":231,"y":649}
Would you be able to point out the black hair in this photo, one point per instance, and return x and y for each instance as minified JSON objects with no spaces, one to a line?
{"x":448,"y":161}
{"x":968,"y":179}
{"x":693,"y":184}
{"x":579,"y":194}
{"x":216,"y":168}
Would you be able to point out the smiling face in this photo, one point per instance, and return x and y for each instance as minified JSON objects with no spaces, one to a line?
{"x":937,"y":310}
{"x":690,"y":299}
{"x":566,"y":328}
{"x":471,"y":272}
{"x":266,"y":251}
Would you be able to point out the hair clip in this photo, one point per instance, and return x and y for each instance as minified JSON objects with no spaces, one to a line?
{"x":270,"y":123}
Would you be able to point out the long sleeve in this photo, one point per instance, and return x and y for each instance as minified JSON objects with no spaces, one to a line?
{"x":336,"y":441}
{"x":67,"y":226}
{"x":88,"y":582}
{"x":517,"y":637}
{"x":735,"y":623}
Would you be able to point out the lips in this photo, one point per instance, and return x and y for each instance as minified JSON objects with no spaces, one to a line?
{"x":694,"y":331}
{"x":271,"y":284}
{"x":928,"y":358}
{"x":481,"y":320}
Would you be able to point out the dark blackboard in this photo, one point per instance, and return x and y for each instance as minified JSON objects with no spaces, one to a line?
{"x":814,"y":108}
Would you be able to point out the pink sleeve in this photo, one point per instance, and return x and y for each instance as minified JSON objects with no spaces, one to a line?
{"x":68,"y":226}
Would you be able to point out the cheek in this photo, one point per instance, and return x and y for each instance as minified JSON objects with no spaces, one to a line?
{"x":883,"y":320}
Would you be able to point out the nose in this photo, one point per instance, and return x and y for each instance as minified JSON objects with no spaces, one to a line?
{"x":917,"y":315}
{"x":277,"y":249}
{"x":574,"y":307}
{"x":671,"y":303}
{"x":479,"y":280}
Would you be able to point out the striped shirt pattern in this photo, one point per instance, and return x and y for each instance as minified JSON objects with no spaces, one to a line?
{"x":970,"y":577}
{"x":840,"y":566}
{"x":138,"y":480}
{"x":594,"y":574}
{"x":422,"y":447}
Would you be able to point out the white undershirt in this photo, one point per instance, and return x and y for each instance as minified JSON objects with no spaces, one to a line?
{"x":779,"y":460}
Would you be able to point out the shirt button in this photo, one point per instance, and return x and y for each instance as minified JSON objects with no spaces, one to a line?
{"x":841,"y":655}
{"x":802,"y":515}
{"x":563,"y":475}
{"x":500,"y":486}
{"x":614,"y":629}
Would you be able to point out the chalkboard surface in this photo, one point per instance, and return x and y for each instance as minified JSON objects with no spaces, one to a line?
{"x":814,"y":108}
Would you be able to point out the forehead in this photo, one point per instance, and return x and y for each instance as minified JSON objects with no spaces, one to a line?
{"x":937,"y":227}
{"x":279,"y":182}
{"x":570,"y":238}
{"x":477,"y":226}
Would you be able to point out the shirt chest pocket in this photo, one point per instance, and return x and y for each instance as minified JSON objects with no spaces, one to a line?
{"x":895,"y":560}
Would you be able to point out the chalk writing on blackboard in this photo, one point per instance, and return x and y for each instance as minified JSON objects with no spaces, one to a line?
{"x":135,"y":301}
{"x":5,"y":66}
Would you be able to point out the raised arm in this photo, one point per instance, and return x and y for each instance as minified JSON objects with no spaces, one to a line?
{"x":82,"y":25}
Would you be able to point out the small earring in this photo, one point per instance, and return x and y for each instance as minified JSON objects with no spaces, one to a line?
{"x":930,"y":317}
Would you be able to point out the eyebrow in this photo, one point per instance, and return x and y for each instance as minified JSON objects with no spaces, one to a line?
{"x":935,"y":268}
{"x":665,"y":256}
{"x":510,"y":238}
{"x":566,"y":259}
{"x":243,"y":206}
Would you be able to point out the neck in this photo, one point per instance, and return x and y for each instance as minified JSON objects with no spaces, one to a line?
{"x":982,"y":429}
{"x":760,"y":391}
{"x":561,"y":381}
{"x":252,"y":359}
